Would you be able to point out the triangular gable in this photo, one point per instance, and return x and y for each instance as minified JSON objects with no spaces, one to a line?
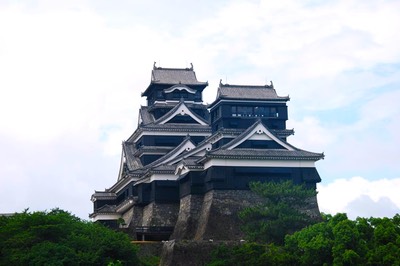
{"x":185,"y":146}
{"x":180,"y":109}
{"x":256,"y":132}
{"x":198,"y":151}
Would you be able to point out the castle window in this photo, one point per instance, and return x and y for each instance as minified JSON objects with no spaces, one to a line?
{"x":260,"y":111}
{"x":243,"y":111}
{"x":216,"y":114}
{"x":256,"y":111}
{"x":180,"y":94}
{"x":197,"y":96}
{"x":233,"y":111}
{"x":273,"y":112}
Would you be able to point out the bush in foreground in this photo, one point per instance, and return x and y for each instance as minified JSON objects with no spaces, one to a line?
{"x":59,"y":238}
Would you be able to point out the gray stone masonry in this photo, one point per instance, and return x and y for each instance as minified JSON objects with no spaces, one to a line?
{"x":189,"y":214}
{"x":127,"y":217}
{"x":160,"y":214}
{"x":219,"y":214}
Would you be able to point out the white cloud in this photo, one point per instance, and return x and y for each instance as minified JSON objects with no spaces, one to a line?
{"x":359,"y":196}
{"x":364,"y":206}
{"x":72,"y":73}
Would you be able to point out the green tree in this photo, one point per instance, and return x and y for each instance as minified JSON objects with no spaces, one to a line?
{"x":385,"y":241}
{"x":336,"y":240}
{"x":312,"y":245}
{"x":59,"y":238}
{"x":250,"y":254}
{"x":340,"y":241}
{"x":283,"y":211}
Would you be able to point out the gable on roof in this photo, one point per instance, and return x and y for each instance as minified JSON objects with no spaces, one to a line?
{"x":180,"y":109}
{"x":185,"y":146}
{"x":258,"y":131}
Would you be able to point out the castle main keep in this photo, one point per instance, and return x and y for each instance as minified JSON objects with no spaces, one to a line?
{"x":185,"y":171}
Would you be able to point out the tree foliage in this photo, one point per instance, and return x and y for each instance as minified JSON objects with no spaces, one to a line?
{"x":59,"y":238}
{"x":365,"y":241}
{"x":254,"y":254}
{"x":286,"y":235}
{"x":283,"y":211}
{"x":334,"y":241}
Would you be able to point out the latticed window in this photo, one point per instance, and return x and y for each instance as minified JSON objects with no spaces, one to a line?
{"x":254,"y":111}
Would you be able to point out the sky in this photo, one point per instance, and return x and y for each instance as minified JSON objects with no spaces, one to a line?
{"x":72,"y":72}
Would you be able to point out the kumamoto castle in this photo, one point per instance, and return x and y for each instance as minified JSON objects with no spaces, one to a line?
{"x":185,"y":170}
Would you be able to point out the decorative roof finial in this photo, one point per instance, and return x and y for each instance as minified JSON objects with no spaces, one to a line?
{"x":154,"y":65}
{"x":220,"y":81}
{"x":191,"y":66}
{"x":272,"y":84}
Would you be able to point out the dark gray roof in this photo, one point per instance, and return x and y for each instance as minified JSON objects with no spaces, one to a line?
{"x":184,"y":76}
{"x":178,"y":127}
{"x":152,"y":150}
{"x":146,"y":116}
{"x":104,"y":195}
{"x":132,"y":161}
{"x":106,"y":209}
{"x":173,"y":76}
{"x":282,"y":133}
{"x":191,"y":162}
{"x":172,"y":127}
{"x":270,"y":154}
{"x":173,"y":104}
{"x":163,"y":169}
{"x":248,"y":92}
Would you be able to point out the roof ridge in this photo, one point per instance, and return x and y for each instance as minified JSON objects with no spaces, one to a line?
{"x":172,"y":68}
{"x":246,"y":86}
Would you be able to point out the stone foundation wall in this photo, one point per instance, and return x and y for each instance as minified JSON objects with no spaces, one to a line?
{"x":127,"y":216}
{"x":313,"y":209}
{"x":203,"y":217}
{"x":160,"y":214}
{"x":219,"y":214}
{"x":137,"y":216}
{"x":189,"y":214}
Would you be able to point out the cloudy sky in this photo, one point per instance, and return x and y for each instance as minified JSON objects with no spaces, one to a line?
{"x":71,"y":74}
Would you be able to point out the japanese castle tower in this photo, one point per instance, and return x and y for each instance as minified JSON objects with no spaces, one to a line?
{"x":186,"y":169}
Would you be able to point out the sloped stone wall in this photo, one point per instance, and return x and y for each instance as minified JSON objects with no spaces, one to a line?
{"x":189,"y":214}
{"x":219,"y":214}
{"x":160,"y":214}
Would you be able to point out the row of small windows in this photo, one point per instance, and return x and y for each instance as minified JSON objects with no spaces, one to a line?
{"x":254,"y":111}
{"x":248,"y":111}
{"x":179,"y":94}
